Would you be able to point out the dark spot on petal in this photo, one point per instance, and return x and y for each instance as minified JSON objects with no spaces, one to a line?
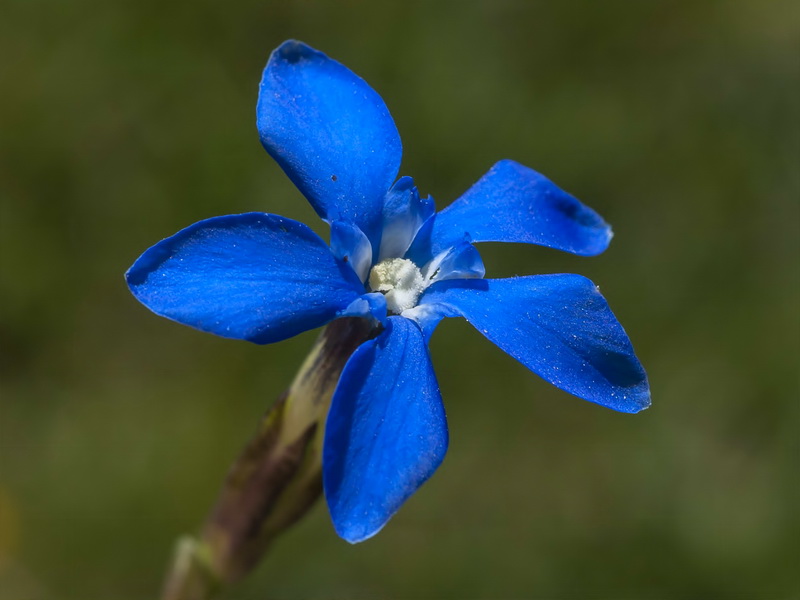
{"x":334,"y":178}
{"x":575,"y":211}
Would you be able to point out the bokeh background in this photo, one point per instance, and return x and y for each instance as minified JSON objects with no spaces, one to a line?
{"x":122,"y":122}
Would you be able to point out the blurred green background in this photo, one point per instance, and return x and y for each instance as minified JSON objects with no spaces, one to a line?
{"x":123,"y":121}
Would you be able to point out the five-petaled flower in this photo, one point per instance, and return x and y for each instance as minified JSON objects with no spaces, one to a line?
{"x":392,"y":258}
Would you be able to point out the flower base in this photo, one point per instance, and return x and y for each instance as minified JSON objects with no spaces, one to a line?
{"x":276,"y":479}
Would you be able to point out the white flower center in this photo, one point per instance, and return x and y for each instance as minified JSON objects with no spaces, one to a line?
{"x":400,"y":281}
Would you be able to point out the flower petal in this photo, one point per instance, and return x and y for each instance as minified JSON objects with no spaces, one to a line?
{"x":428,"y":316}
{"x":513,"y":203}
{"x":254,"y":276}
{"x":369,"y":306}
{"x":461,"y":261}
{"x":349,"y":244}
{"x":404,"y":212}
{"x":331,"y":133}
{"x":559,"y":326}
{"x":386,"y":431}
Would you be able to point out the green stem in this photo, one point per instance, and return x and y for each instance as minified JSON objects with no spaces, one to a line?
{"x":276,"y":479}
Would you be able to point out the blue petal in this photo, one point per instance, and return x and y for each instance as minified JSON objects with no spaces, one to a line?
{"x":404,"y":212}
{"x":461,"y":261}
{"x":428,"y":317}
{"x":349,"y":244}
{"x":369,"y":306}
{"x":559,"y":326}
{"x":255,"y":276}
{"x":513,"y":203}
{"x":386,"y":431}
{"x":331,"y":133}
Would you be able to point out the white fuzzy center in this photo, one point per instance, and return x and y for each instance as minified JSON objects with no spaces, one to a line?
{"x":400,"y":281}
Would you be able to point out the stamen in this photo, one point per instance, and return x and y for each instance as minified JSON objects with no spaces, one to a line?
{"x":400,"y":281}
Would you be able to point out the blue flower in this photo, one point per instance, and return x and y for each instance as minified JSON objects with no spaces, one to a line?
{"x":392,"y":258}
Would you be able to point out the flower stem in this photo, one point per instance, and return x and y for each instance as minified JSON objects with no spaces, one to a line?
{"x":275,"y":480}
